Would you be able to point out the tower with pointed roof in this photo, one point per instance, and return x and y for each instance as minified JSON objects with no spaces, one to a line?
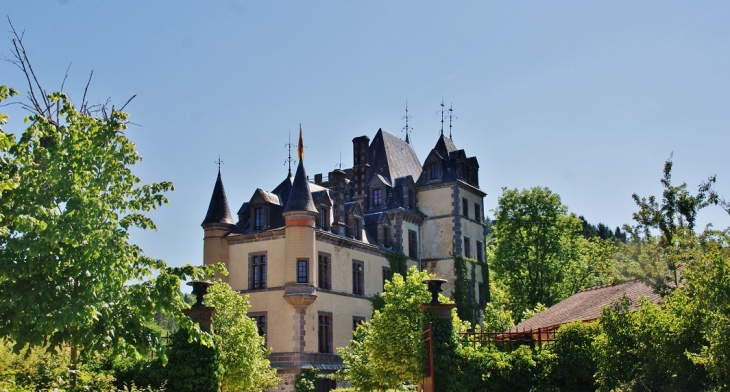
{"x":216,"y":225}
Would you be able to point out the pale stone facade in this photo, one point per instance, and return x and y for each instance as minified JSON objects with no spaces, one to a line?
{"x":310,"y":254}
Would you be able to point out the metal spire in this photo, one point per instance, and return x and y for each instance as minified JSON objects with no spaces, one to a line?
{"x":442,"y":116}
{"x":219,"y":163}
{"x":451,"y":116}
{"x":339,"y":165}
{"x":289,"y":159}
{"x":407,"y":128}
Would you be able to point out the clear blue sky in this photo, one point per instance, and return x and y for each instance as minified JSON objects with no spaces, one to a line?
{"x":586,"y":98}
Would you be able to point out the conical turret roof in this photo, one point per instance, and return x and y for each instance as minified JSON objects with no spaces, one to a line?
{"x":300,"y":198}
{"x":218,"y":211}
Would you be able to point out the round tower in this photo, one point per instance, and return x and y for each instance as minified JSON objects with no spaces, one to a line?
{"x":216,"y":226}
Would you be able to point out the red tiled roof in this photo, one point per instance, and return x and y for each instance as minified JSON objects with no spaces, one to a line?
{"x":586,"y":305}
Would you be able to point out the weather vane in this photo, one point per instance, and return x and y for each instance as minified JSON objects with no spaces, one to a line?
{"x":451,"y":116}
{"x":219,"y":163}
{"x":442,"y":116}
{"x":289,"y":159}
{"x":407,"y":128}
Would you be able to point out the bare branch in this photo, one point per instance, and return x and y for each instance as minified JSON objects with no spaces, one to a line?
{"x":128,"y":101}
{"x":63,"y":83}
{"x":83,"y":99}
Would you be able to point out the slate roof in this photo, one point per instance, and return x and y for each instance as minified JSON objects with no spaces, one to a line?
{"x":586,"y":305}
{"x":218,"y":211}
{"x":300,"y":198}
{"x":392,"y":157}
{"x":444,"y":146}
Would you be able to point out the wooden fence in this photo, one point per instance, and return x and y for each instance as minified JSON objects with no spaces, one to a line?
{"x":511,"y":339}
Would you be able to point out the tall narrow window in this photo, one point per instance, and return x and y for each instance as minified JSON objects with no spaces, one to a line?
{"x":324,"y":272}
{"x":411,"y":199}
{"x":478,"y":212}
{"x":358,"y":278}
{"x":412,"y":244}
{"x":465,"y":207}
{"x":387,"y":276}
{"x":482,"y":298}
{"x":433,"y":171}
{"x":325,"y":332}
{"x":480,"y":252}
{"x":386,"y":237}
{"x":257,"y":272}
{"x":356,"y":228}
{"x":356,"y":321}
{"x":258,"y":214}
{"x":324,"y":218}
{"x":260,"y":318}
{"x":302,"y":271}
{"x":377,"y":197}
{"x":467,"y":247}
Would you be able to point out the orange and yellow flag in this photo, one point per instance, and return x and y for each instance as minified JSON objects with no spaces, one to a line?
{"x":300,"y":147}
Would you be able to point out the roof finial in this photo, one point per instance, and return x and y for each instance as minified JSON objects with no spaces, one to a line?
{"x":339,"y":165}
{"x":219,"y":163}
{"x":289,"y":159}
{"x":300,"y":147}
{"x":451,"y":116}
{"x":442,"y":116}
{"x":407,"y":128}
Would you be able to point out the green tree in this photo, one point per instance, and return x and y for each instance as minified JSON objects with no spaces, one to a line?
{"x":243,"y":352}
{"x":674,"y":218}
{"x":385,"y":351}
{"x":68,"y":273}
{"x":537,"y":249}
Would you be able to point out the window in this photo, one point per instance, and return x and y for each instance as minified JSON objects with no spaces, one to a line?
{"x":324,"y":273}
{"x":377,"y":197}
{"x":433,"y":170}
{"x":356,"y":320}
{"x":358,"y":278}
{"x":324,"y":218}
{"x":260,"y":318}
{"x":356,"y":228}
{"x":387,"y":276}
{"x":325,"y":332}
{"x":478,"y":212}
{"x":465,"y":207}
{"x":412,"y":244}
{"x":258,"y":220}
{"x":411,"y":199}
{"x":302,"y":271}
{"x":257,"y":271}
{"x":482,"y":298}
{"x":467,"y":247}
{"x":386,"y":237}
{"x":480,"y":252}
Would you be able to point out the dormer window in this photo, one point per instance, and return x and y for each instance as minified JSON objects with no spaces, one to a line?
{"x":258,"y":218}
{"x":324,"y":218}
{"x":433,"y":171}
{"x":377,"y":198}
{"x":386,"y":237}
{"x":411,"y":199}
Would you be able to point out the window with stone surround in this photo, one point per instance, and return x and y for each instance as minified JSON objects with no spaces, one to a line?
{"x":433,"y":171}
{"x":478,"y":212}
{"x":324,"y":218}
{"x":302,"y":271}
{"x":256,"y":271}
{"x":324,"y":271}
{"x":387,"y":276}
{"x":258,"y":218}
{"x":377,"y":198}
{"x":358,"y":277}
{"x":412,"y":244}
{"x":356,"y":320}
{"x":467,"y":247}
{"x":325,"y":332}
{"x":465,"y":207}
{"x":480,"y":252}
{"x":260,"y":318}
